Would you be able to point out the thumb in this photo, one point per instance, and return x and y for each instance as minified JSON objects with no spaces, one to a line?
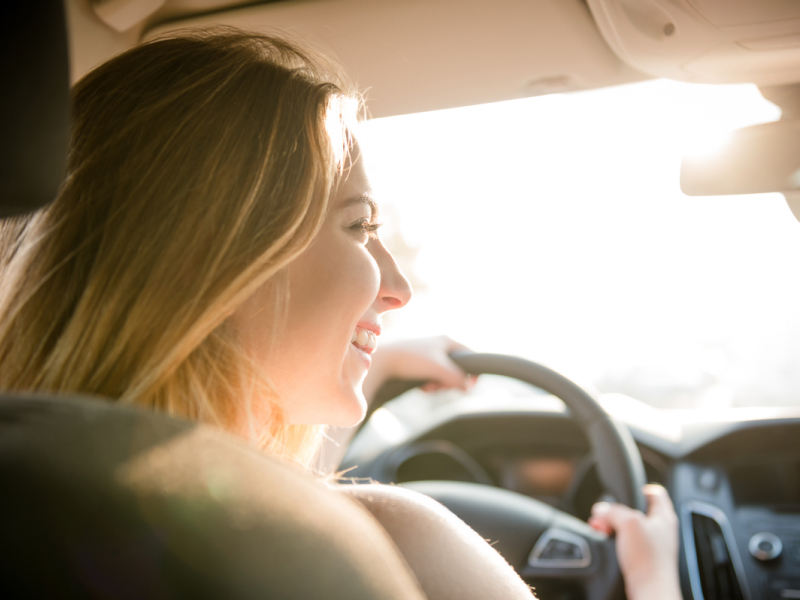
{"x":658,"y":501}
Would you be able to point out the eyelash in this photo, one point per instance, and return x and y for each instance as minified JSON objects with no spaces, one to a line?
{"x":364,"y":226}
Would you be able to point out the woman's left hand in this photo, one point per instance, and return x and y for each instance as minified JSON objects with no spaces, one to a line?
{"x":647,"y":544}
{"x":417,"y":359}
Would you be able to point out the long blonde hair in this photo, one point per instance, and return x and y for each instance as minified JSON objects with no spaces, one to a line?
{"x":200,"y":166}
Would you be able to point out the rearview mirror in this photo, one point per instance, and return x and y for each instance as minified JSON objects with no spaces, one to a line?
{"x":758,"y":159}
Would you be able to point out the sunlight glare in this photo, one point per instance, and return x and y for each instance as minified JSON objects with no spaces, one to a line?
{"x":554,"y":228}
{"x":707,"y":144}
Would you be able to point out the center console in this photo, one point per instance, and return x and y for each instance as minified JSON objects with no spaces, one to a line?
{"x":740,"y":528}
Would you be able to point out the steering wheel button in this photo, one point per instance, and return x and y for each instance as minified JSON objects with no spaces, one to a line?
{"x":561,"y":550}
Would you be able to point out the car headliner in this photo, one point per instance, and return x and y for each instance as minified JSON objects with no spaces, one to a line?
{"x":420,"y":55}
{"x":409,"y":56}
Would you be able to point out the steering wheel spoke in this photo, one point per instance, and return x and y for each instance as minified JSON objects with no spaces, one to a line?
{"x":591,"y":566}
{"x":568,"y":546}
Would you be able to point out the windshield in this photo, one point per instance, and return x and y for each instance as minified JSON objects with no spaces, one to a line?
{"x":554,"y":228}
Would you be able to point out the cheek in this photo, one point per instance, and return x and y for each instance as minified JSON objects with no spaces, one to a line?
{"x":332,"y":284}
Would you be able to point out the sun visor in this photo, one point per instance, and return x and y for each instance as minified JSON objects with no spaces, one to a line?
{"x":706,"y":41}
{"x":759,"y":159}
{"x":34,"y":104}
{"x":793,"y":200}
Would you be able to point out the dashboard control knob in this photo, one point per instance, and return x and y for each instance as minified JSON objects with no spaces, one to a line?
{"x":765,"y":546}
{"x":708,"y":480}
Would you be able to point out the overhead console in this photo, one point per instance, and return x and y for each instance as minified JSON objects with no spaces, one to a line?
{"x":705,"y":41}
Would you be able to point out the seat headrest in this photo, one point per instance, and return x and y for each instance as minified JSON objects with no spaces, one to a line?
{"x":34,"y":104}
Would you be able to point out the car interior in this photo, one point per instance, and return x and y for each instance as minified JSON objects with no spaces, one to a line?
{"x":108,"y":501}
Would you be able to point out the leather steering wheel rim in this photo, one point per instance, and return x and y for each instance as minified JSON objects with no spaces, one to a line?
{"x":526,"y":523}
{"x":619,"y":463}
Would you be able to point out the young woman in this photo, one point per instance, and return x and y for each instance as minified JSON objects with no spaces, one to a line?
{"x":213,"y":254}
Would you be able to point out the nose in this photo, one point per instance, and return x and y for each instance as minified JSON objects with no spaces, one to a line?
{"x":395,"y":290}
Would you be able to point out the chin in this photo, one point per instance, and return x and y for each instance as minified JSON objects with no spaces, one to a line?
{"x":350,"y":409}
{"x":339,"y":406}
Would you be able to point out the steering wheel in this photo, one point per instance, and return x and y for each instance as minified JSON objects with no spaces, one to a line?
{"x":541,"y":542}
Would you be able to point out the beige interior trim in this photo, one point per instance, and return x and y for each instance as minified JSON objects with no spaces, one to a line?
{"x":410,"y":56}
{"x":425,"y":55}
{"x":122,"y":15}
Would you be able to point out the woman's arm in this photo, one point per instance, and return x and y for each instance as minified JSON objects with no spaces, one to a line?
{"x":450,"y":560}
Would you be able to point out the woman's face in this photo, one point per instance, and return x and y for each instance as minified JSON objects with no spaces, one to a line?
{"x":338,"y":287}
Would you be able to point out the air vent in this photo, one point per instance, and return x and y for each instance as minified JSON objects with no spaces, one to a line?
{"x":715,"y":569}
{"x":717,"y":577}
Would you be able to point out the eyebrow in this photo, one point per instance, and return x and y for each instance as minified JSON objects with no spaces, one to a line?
{"x":364,"y":198}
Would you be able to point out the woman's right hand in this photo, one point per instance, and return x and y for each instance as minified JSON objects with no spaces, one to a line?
{"x":647,"y":545}
{"x":424,"y":359}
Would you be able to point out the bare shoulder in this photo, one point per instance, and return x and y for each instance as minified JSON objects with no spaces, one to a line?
{"x":448,"y":557}
{"x":398,"y":501}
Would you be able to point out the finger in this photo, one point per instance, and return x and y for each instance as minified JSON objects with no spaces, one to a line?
{"x":600,"y":525}
{"x":450,"y":375}
{"x":600,"y":508}
{"x":467,"y":382}
{"x":613,"y":516}
{"x":658,"y":500}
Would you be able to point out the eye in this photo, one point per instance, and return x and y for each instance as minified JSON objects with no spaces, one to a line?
{"x":366,"y":226}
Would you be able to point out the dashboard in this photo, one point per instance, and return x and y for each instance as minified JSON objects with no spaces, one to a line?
{"x":734,"y":477}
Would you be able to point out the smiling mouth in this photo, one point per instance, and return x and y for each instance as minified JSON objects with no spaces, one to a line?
{"x":364,"y":339}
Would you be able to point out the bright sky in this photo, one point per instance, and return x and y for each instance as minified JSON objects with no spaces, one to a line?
{"x":554,"y":228}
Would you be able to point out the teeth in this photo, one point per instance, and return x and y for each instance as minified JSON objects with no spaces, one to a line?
{"x":365,"y":338}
